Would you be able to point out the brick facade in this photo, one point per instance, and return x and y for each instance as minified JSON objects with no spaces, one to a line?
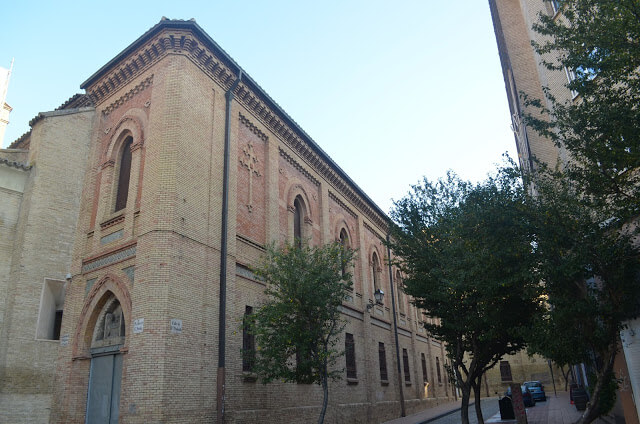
{"x":157,"y":260}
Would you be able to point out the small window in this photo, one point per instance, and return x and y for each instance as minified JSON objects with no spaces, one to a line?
{"x":51,"y":310}
{"x":424,"y":368}
{"x":248,"y":341}
{"x":382,"y":357}
{"x":405,"y":363}
{"x":438,"y":370}
{"x":555,"y":5}
{"x":350,"y":353}
{"x":124,"y":175}
{"x":505,"y":371}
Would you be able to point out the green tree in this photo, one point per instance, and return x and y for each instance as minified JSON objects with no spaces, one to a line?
{"x":598,"y":41}
{"x":298,"y":327}
{"x":466,"y":252}
{"x":590,"y":265}
{"x":589,"y":204}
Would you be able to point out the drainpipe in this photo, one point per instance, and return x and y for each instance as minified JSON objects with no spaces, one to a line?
{"x":222,"y":322}
{"x":403,"y":412}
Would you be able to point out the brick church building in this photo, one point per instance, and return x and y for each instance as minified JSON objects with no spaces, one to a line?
{"x":121,"y":264}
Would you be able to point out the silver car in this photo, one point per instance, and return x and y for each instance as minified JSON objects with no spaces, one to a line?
{"x":537,"y":390}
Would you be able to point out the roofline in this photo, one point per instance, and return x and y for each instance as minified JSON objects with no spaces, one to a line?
{"x":246,"y":79}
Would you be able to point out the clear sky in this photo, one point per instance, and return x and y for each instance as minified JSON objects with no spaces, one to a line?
{"x":391,"y":90}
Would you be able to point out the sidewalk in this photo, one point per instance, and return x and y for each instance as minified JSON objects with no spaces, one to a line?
{"x":556,"y":410}
{"x":427,"y":415}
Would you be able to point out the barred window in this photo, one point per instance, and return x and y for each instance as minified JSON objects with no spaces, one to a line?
{"x":350,"y":353}
{"x":438,"y":370}
{"x":424,"y":367}
{"x":505,"y":371}
{"x":405,"y":362}
{"x":382,"y":356}
{"x":248,"y":341}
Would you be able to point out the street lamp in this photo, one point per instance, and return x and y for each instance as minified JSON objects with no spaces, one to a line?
{"x":379,"y":296}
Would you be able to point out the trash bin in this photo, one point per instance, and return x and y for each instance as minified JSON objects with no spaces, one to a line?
{"x":580,"y":398}
{"x":506,"y":409}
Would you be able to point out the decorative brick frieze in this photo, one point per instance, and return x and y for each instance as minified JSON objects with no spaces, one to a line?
{"x":370,"y":228}
{"x":254,"y":129}
{"x":299,"y":167}
{"x":135,"y":90}
{"x":343,"y":205}
{"x":108,"y":259}
{"x":112,"y":221}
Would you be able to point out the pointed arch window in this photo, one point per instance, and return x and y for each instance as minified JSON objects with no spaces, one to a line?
{"x":124,"y":175}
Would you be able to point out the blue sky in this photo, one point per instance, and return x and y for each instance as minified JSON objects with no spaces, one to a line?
{"x":392,"y":91}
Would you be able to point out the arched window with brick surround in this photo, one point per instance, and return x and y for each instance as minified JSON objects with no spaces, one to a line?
{"x":124,"y":175}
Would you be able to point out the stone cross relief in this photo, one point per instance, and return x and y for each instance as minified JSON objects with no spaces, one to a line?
{"x":250,"y":161}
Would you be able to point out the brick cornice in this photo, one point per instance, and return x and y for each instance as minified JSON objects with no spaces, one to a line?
{"x":169,"y":41}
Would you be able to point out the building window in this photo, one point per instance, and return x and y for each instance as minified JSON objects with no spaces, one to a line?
{"x":382,"y":357}
{"x":555,"y":5}
{"x":248,"y":341}
{"x":298,"y":219}
{"x":571,"y":76}
{"x":51,"y":310}
{"x":424,"y":368}
{"x":401,"y":297}
{"x":344,"y":241}
{"x":124,"y":175}
{"x":350,"y":353}
{"x":438,"y":370}
{"x":375,"y":271}
{"x":505,"y":371}
{"x":405,"y":363}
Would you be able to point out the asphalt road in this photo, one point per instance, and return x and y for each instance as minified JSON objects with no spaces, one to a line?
{"x":489,"y":409}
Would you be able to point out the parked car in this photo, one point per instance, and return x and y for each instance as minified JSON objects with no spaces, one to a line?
{"x":537,"y":390}
{"x":527,"y":397}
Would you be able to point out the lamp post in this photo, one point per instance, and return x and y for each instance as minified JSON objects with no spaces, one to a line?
{"x":379,"y":296}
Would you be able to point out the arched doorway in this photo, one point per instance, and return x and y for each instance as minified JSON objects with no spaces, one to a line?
{"x":105,"y":376}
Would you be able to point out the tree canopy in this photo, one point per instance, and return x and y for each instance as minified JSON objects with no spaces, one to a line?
{"x":298,"y":326}
{"x":466,"y":252}
{"x":598,"y":43}
{"x":588,"y":206}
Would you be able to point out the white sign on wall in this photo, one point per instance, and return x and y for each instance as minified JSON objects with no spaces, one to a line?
{"x":138,"y":325}
{"x":64,"y":340}
{"x":176,"y":326}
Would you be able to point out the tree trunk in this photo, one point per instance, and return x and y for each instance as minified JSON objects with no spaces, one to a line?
{"x":464,"y":410}
{"x":325,"y":398}
{"x":593,"y":407}
{"x":476,"y":390}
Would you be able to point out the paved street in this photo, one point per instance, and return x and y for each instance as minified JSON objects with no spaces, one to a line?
{"x":489,"y":409}
{"x":556,"y":410}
